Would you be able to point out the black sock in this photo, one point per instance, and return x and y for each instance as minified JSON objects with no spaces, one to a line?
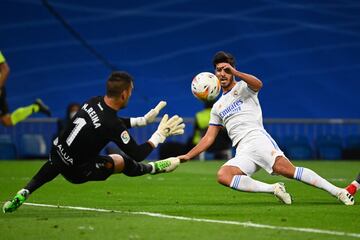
{"x":133,"y":168}
{"x":46,"y":173}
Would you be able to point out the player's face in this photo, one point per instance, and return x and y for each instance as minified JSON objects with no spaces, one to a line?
{"x":224,"y":75}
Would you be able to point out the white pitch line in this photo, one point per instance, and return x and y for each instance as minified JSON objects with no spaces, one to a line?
{"x":244,"y":224}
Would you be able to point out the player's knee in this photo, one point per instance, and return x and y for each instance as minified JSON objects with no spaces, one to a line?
{"x":227,"y":173}
{"x":118,"y":162}
{"x":6,"y":121}
{"x":223,"y":177}
{"x":284,"y":167}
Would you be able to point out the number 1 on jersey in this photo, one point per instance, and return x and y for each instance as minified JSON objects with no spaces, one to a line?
{"x":79,"y":124}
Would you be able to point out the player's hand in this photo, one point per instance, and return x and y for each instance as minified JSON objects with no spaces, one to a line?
{"x":183,"y":158}
{"x":166,"y":128}
{"x":152,"y":114}
{"x":172,"y":126}
{"x":227,"y":68}
{"x":149,"y":117}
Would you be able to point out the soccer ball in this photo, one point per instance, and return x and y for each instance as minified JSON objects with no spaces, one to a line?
{"x":205,"y":86}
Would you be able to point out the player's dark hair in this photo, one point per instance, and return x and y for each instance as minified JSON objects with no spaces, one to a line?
{"x":223,"y":57}
{"x":117,"y":83}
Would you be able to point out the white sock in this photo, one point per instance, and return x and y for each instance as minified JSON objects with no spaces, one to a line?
{"x":247,"y":184}
{"x":312,"y":178}
{"x":24,"y":192}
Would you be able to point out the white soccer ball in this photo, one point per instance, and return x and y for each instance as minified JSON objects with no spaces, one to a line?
{"x":205,"y":86}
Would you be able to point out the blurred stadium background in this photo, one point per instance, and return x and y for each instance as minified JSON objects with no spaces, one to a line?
{"x":305,"y":52}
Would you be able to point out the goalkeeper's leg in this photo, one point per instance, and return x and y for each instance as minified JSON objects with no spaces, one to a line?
{"x":46,"y":173}
{"x":131,"y":168}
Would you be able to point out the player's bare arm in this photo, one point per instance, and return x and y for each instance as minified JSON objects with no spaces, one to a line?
{"x":253,"y":82}
{"x":204,"y":143}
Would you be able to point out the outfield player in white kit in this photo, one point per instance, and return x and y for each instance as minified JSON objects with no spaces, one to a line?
{"x":239,"y":111}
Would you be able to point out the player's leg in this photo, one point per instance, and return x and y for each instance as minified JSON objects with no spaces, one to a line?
{"x":6,"y":120}
{"x":11,"y":119}
{"x":132,"y":168}
{"x":235,"y":178}
{"x":274,"y":161}
{"x":254,"y":152}
{"x":232,"y":175}
{"x":284,"y":167}
{"x":22,"y":113}
{"x":101,"y":167}
{"x":128,"y":166}
{"x":46,"y":173}
{"x":354,"y":186}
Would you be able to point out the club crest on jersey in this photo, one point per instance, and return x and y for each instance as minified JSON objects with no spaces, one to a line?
{"x":236,"y":93}
{"x":125,"y":137}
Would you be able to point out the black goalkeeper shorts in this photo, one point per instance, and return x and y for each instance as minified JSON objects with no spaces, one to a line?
{"x":98,"y":168}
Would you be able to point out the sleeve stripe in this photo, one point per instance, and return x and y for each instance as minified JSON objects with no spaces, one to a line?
{"x":214,"y":124}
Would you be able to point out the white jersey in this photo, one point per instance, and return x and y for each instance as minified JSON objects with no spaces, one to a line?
{"x":239,"y":111}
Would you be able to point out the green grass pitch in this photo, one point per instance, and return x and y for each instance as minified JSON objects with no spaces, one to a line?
{"x":191,"y":191}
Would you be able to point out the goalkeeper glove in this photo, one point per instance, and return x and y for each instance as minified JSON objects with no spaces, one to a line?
{"x":149,"y":117}
{"x":167,"y":127}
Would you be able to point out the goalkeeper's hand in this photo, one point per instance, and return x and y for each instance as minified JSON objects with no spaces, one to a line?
{"x":167,"y":127}
{"x":149,"y":117}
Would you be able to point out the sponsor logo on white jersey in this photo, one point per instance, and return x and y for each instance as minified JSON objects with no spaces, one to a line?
{"x":232,"y":109}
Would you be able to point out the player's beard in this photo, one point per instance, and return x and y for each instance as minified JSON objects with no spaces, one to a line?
{"x":226,"y":83}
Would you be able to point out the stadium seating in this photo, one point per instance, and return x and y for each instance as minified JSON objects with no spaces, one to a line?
{"x":5,"y":138}
{"x":329,"y":147}
{"x":352,"y":147}
{"x":33,"y":146}
{"x":8,"y":151}
{"x":7,"y":148}
{"x":297,"y":147}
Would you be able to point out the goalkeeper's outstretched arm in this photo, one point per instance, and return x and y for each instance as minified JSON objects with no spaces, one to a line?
{"x":167,"y":127}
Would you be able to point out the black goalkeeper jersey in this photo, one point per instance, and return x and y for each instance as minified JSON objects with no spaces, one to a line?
{"x":91,"y":129}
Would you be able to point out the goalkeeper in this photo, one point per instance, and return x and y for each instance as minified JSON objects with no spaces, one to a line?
{"x":75,"y":152}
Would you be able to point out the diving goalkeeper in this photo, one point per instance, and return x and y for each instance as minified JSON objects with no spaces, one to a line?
{"x":75,"y":152}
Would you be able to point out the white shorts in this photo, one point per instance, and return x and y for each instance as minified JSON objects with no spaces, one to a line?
{"x":256,"y":150}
